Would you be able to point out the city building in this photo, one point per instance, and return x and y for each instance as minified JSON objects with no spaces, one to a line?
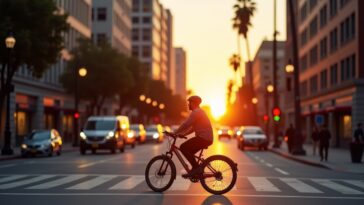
{"x":181,"y":72}
{"x":43,"y":103}
{"x":111,"y":22}
{"x":262,"y":75}
{"x":331,"y":50}
{"x":152,"y":37}
{"x":171,"y":65}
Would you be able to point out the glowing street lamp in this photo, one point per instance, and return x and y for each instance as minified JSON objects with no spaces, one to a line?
{"x":154,"y":103}
{"x":148,"y":100}
{"x":161,"y":106}
{"x":255,"y":100}
{"x":289,"y":67}
{"x":82,"y":72}
{"x":142,"y":98}
{"x":270,"y":88}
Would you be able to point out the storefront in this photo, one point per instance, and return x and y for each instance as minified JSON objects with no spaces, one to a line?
{"x":24,"y":111}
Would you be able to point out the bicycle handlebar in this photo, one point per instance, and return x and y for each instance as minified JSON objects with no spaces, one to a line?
{"x":174,"y":135}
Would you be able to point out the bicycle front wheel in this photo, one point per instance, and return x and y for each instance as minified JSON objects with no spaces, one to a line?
{"x":160,"y":173}
{"x":219,"y":174}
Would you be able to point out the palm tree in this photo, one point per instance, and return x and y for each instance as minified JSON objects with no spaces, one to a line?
{"x":234,"y":62}
{"x":244,"y":11}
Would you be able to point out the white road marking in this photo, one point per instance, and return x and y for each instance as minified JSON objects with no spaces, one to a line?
{"x":180,"y":184}
{"x":57,"y":182}
{"x":300,"y":186}
{"x":97,"y":162}
{"x":262,"y":184}
{"x":128,"y":183}
{"x":11,"y":178}
{"x":7,"y":165}
{"x":337,"y":187}
{"x":25,"y":182}
{"x":269,"y":165}
{"x":355,"y":183}
{"x":92,"y":183}
{"x":281,"y":171}
{"x":262,"y":161}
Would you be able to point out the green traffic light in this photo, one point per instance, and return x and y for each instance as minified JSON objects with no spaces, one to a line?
{"x":277,"y":118}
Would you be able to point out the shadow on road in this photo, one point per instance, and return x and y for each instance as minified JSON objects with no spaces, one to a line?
{"x":217,"y":200}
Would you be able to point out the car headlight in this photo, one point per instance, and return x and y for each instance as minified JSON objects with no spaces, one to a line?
{"x":156,"y":135}
{"x":110,"y":135}
{"x":83,"y":135}
{"x":130,"y":135}
{"x":238,"y":133}
{"x":24,"y":146}
{"x":230,"y":132}
{"x":219,"y":132}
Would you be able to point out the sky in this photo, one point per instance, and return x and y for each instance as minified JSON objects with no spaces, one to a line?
{"x":203,"y":28}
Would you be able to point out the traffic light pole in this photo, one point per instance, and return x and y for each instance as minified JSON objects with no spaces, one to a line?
{"x":275,"y":84}
{"x":75,"y":115}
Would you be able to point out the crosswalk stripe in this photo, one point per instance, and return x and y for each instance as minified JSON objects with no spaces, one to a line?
{"x":128,"y":183}
{"x":180,"y":184}
{"x":25,"y":182}
{"x":337,"y":187}
{"x":300,"y":186}
{"x":58,"y":182}
{"x":11,"y":178}
{"x":262,"y":184}
{"x":355,"y":183}
{"x":92,"y":183}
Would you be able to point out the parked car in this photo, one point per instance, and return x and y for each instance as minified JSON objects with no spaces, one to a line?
{"x":45,"y":142}
{"x":105,"y":132}
{"x":224,"y":132}
{"x":139,"y":132}
{"x":252,"y":136}
{"x":236,"y":131}
{"x":154,"y":133}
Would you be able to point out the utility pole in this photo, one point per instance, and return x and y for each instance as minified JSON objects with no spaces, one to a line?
{"x":275,"y":84}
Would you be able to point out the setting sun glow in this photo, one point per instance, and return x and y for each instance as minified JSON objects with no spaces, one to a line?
{"x":218,"y":108}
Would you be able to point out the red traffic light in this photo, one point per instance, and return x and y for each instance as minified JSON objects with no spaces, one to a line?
{"x":276,"y":111}
{"x":76,"y":115}
{"x":265,"y":118}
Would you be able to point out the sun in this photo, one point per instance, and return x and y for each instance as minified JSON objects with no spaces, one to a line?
{"x":218,"y":108}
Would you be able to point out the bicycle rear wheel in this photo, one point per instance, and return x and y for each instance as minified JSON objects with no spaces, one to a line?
{"x":160,"y":173}
{"x":219,"y":174}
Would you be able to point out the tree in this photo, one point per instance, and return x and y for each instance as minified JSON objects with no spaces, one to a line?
{"x":107,"y":74}
{"x":37,"y":26}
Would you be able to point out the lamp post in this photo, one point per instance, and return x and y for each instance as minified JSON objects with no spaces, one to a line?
{"x":297,"y":149}
{"x":269,"y":90}
{"x":79,"y":72}
{"x":10,"y":43}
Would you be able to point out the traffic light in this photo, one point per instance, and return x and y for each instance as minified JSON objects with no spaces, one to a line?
{"x":266,"y":118}
{"x":76,"y":115}
{"x":276,"y":114}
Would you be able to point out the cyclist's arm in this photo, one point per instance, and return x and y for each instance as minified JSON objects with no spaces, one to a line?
{"x":186,"y":125}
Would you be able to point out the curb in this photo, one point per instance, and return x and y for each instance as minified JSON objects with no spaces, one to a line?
{"x":288,"y":156}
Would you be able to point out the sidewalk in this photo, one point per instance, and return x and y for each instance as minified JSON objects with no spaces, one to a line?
{"x":338,"y":159}
{"x":65,"y":148}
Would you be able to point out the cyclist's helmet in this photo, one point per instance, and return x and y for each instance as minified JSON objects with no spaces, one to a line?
{"x":195,"y":99}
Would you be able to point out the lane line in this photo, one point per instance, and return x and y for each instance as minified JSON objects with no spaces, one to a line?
{"x":128,"y":183}
{"x":57,"y":182}
{"x":262,"y":184}
{"x":11,"y":178}
{"x":96,"y":162}
{"x":281,"y":171}
{"x":7,"y":165}
{"x":269,"y":165}
{"x":92,"y":183}
{"x":300,"y":186}
{"x":25,"y":182}
{"x":355,"y":183}
{"x":336,"y":187}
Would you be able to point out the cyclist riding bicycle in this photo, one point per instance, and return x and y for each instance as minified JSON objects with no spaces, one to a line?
{"x":199,"y":123}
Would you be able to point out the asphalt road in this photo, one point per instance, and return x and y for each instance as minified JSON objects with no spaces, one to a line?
{"x":263,"y":178}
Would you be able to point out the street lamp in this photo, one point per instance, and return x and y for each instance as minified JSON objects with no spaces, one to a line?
{"x":255,"y":100}
{"x":289,"y":67}
{"x":148,"y":100}
{"x":142,"y":98}
{"x":154,"y":103}
{"x":270,"y":88}
{"x":79,"y":72}
{"x":161,"y":106}
{"x":10,"y":43}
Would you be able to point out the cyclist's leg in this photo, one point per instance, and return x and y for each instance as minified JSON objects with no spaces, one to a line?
{"x":190,"y":147}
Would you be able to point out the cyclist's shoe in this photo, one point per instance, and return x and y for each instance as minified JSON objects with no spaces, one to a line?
{"x":192,"y":173}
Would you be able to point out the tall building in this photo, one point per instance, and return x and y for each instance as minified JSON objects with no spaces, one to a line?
{"x":181,"y":72}
{"x":331,"y":46}
{"x":111,"y":22}
{"x":171,"y":68}
{"x":43,"y":103}
{"x":150,"y":39}
{"x":262,"y":72}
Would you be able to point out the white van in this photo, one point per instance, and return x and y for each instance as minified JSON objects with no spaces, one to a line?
{"x":104,"y":132}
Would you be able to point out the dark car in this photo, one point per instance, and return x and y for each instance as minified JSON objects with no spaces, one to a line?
{"x":44,"y":142}
{"x":139,"y":132}
{"x":252,"y":136}
{"x":224,"y":132}
{"x":154,"y":133}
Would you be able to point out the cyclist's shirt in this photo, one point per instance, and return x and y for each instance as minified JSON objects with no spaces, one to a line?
{"x":199,"y":123}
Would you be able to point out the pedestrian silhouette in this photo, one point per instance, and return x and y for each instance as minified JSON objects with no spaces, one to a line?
{"x":325,"y":136}
{"x":315,"y":136}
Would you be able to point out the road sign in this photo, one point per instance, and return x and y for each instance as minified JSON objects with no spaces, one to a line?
{"x":319,"y":119}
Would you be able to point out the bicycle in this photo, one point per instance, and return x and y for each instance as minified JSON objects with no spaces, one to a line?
{"x":214,"y":170}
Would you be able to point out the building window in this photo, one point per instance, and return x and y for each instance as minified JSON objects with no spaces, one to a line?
{"x":323,"y":79}
{"x":135,"y":51}
{"x":323,"y":48}
{"x":136,"y":5}
{"x":347,"y":29}
{"x":303,"y":12}
{"x":101,"y":14}
{"x":313,"y":56}
{"x":333,"y":74}
{"x":146,"y":51}
{"x":135,"y":34}
{"x":323,"y":16}
{"x":147,"y":5}
{"x":92,"y":14}
{"x":304,"y":62}
{"x":333,"y":8}
{"x":313,"y":84}
{"x":313,"y":27}
{"x":101,"y":38}
{"x":333,"y":40}
{"x":304,"y":88}
{"x":303,"y":37}
{"x":313,"y":4}
{"x":146,"y":19}
{"x":343,"y":3}
{"x":146,"y":34}
{"x":347,"y":67}
{"x":135,"y":20}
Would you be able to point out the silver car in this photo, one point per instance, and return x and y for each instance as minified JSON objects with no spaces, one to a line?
{"x":44,"y":142}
